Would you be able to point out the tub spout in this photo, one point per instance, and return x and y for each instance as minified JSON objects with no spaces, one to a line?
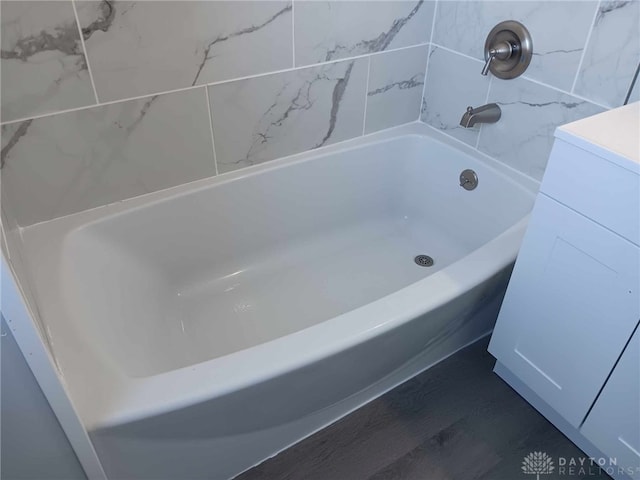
{"x":489,"y":113}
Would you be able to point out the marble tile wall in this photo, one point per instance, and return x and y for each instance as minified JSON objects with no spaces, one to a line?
{"x":44,"y":68}
{"x":61,"y":164}
{"x":614,"y":46}
{"x":137,"y":48}
{"x":585,"y":55}
{"x":332,"y":30}
{"x":396,"y":83}
{"x":103,"y":100}
{"x":259,"y":119}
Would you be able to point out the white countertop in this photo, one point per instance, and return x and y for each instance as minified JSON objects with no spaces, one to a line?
{"x":614,"y":135}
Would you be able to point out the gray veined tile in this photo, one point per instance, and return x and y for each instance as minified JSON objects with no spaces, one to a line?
{"x":396,"y":81}
{"x":453,"y":83}
{"x":634,"y":94}
{"x":612,"y":54}
{"x":558,"y":28}
{"x":523,"y":137}
{"x":143,"y":47}
{"x":330,"y":30}
{"x":263,"y":118}
{"x":66,"y":163}
{"x":43,"y":65}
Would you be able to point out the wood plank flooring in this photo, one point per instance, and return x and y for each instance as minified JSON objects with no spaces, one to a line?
{"x":456,"y":421}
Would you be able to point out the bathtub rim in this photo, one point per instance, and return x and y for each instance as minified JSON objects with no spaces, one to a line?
{"x":142,"y":397}
{"x":418,"y":129}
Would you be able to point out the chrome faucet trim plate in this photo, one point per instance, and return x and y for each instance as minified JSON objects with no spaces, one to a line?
{"x":507,"y":50}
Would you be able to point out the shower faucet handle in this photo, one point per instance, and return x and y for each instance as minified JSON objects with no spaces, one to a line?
{"x":485,"y":69}
{"x":501,"y":51}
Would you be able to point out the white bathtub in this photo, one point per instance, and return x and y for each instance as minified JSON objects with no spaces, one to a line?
{"x":202,"y":329}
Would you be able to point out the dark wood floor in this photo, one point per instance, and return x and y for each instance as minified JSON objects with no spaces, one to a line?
{"x":456,"y":421}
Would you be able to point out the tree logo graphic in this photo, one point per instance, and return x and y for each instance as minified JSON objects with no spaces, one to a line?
{"x":537,"y":463}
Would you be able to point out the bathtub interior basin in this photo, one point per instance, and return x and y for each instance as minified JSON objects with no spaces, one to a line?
{"x":182,"y":279}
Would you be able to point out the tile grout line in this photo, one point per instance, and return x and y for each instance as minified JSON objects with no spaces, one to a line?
{"x":486,"y":100}
{"x":366,"y":96}
{"x":213,"y":142}
{"x":529,"y":79}
{"x":101,"y":104}
{"x":191,"y":87}
{"x":84,"y":50}
{"x":586,"y":45}
{"x":293,"y":34}
{"x":450,"y":50}
{"x":575,"y":95}
{"x":5,"y":243}
{"x":426,"y":68}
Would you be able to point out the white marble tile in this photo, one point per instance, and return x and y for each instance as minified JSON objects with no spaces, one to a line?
{"x":453,"y":83}
{"x":138,"y":48}
{"x":396,"y":80}
{"x":559,"y":31}
{"x":70,"y":162}
{"x":329,"y":30}
{"x":523,"y":137}
{"x":612,"y":54}
{"x":263,"y":118}
{"x":43,"y":65}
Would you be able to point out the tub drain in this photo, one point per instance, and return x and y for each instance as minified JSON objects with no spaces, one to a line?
{"x":424,"y":260}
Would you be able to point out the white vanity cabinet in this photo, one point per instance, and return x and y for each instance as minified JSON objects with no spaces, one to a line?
{"x":613,"y":425}
{"x":570,"y":308}
{"x":573,"y":301}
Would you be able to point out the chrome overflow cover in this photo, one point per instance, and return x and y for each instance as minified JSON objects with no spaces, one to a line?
{"x":468,"y":179}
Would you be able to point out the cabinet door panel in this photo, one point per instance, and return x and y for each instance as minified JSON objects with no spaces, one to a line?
{"x":614,"y":423}
{"x":571,"y":305}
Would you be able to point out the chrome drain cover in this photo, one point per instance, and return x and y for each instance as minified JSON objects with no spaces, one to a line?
{"x":424,"y":260}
